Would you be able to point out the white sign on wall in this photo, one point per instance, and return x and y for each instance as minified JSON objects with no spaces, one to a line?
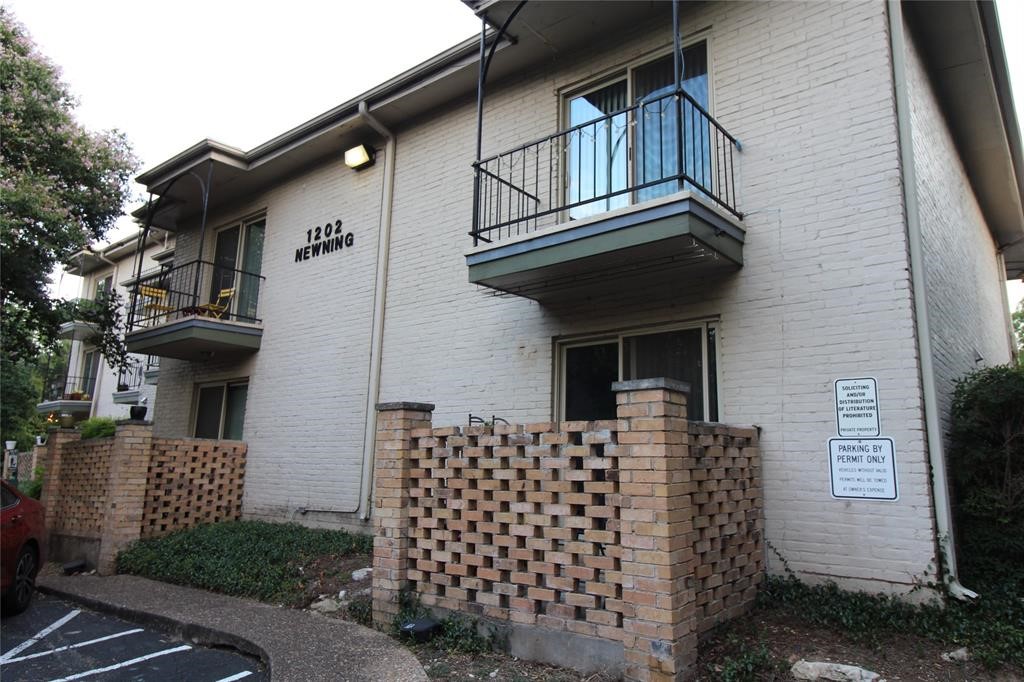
{"x":857,"y":408}
{"x":863,"y":468}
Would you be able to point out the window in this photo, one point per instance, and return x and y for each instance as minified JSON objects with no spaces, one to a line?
{"x":104,"y":287}
{"x":220,"y":410}
{"x":90,"y":371}
{"x":686,"y":353}
{"x":237,"y":257}
{"x":641,"y":144}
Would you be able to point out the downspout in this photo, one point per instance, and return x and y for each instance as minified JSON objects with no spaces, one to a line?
{"x":380,"y":292}
{"x":919,"y":283}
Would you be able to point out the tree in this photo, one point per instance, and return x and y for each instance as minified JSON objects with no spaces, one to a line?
{"x":61,"y":187}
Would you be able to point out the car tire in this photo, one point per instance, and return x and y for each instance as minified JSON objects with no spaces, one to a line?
{"x":19,"y":594}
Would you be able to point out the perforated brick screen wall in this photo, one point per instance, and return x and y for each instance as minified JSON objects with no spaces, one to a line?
{"x":114,"y":491}
{"x":81,"y":501}
{"x":727,"y":503}
{"x":644,"y":530}
{"x":192,"y":481}
{"x":520,"y":522}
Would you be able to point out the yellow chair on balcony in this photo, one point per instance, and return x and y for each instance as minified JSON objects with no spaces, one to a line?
{"x":220,"y":306}
{"x":155,"y":300}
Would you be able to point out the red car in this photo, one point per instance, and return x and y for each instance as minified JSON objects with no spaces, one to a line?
{"x":21,"y":548}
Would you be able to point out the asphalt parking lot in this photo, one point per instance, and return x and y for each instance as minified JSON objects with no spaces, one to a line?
{"x":55,"y":640}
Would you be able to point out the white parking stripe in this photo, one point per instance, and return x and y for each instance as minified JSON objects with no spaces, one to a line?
{"x":140,"y":659}
{"x":38,"y":636}
{"x":235,"y":677}
{"x":73,"y":646}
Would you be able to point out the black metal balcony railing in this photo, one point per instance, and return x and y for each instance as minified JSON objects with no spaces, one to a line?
{"x":651,"y":149}
{"x":194,"y":289}
{"x":68,"y":387}
{"x":131,"y":376}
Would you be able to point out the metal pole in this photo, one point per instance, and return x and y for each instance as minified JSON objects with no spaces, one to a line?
{"x":479,"y":130}
{"x":202,"y":229}
{"x":678,"y":65}
{"x":139,"y":251}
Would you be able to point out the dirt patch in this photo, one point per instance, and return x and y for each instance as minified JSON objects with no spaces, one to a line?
{"x":452,"y":667}
{"x":787,"y":640}
{"x":327,"y":576}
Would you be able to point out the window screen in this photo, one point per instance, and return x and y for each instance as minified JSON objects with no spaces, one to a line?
{"x":676,"y":355}
{"x":208,"y":411}
{"x":234,"y":415}
{"x":589,"y":374}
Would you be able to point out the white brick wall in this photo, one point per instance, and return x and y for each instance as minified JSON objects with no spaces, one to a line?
{"x":307,"y":384}
{"x":965,"y":307}
{"x":825,"y":291}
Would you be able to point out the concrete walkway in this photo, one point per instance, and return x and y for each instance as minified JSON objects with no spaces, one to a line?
{"x":294,"y":645}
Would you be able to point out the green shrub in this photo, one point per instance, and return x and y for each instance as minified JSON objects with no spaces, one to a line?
{"x":97,"y":427}
{"x":462,"y":635}
{"x":241,"y":558}
{"x":987,"y":469}
{"x":360,"y":610}
{"x":746,"y":664}
{"x":34,"y":487}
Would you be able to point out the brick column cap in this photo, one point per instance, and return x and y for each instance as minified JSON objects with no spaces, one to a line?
{"x":650,"y":385}
{"x":415,"y":407}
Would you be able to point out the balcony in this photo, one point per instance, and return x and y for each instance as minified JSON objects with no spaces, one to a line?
{"x":131,"y":378}
{"x":645,"y":193}
{"x":194,"y":311}
{"x":67,"y":394}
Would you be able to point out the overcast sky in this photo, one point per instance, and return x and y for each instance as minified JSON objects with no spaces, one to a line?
{"x":173,"y":73}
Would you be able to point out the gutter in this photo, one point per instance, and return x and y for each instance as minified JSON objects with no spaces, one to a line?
{"x":919,"y":285}
{"x":380,"y":294}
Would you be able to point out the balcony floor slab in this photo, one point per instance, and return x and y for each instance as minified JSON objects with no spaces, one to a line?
{"x":681,"y":235}
{"x":195,"y":338}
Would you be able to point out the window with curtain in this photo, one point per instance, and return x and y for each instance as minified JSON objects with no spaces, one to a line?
{"x":237,"y":259}
{"x":599,"y":166}
{"x":220,"y":410}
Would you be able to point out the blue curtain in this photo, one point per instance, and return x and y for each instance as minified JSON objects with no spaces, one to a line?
{"x":656,"y":124}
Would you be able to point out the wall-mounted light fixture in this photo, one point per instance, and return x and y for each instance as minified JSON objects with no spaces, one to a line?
{"x":359,"y":157}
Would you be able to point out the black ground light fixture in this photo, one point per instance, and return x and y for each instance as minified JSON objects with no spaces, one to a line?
{"x":359,"y":157}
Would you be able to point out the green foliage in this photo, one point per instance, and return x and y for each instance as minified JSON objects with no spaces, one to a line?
{"x":992,"y":628}
{"x":61,"y":187}
{"x":360,"y":610}
{"x":987,"y":467}
{"x":409,"y":609}
{"x":462,"y":635}
{"x":33,"y":488}
{"x":97,"y":427}
{"x":241,"y":558}
{"x":21,"y":384}
{"x":747,"y":664}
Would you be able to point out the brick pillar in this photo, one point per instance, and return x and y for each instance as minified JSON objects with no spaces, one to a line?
{"x":397,"y":425}
{"x":126,"y":499}
{"x":657,"y":531}
{"x":50,"y":459}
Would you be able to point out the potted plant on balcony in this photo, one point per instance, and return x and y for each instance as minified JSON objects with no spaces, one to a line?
{"x":138,"y":412}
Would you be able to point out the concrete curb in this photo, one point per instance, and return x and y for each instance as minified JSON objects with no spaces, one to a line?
{"x":197,"y":634}
{"x":292,"y":644}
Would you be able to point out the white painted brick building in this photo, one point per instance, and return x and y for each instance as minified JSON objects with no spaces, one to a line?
{"x":858,"y":183}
